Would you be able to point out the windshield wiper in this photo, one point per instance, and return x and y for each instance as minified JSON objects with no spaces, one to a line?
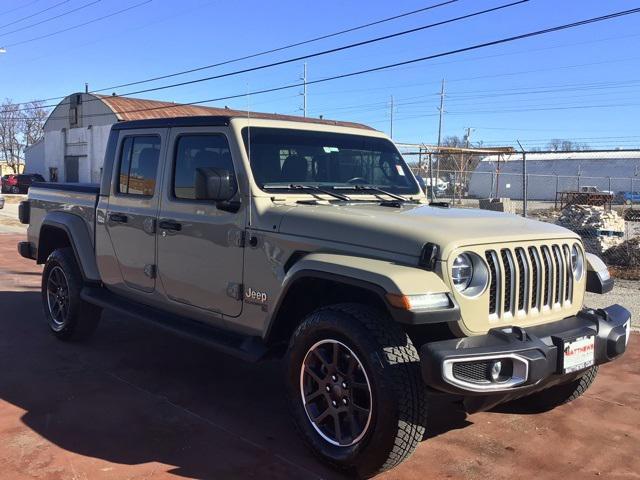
{"x":372,"y":188}
{"x":312,"y":188}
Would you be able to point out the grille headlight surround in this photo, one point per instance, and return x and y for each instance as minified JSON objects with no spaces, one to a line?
{"x":469,"y":274}
{"x":577,"y":261}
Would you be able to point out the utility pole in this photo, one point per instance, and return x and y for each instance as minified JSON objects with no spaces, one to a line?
{"x":391,"y":119}
{"x":304,"y":90}
{"x":525,"y":181}
{"x":440,"y":129}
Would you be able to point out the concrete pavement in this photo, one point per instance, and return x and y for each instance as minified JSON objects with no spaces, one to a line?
{"x":137,"y":403}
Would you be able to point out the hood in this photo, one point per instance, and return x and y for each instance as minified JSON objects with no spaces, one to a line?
{"x":405,"y":230}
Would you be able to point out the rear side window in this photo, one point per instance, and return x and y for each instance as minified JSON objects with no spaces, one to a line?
{"x":196,"y":152}
{"x":138,"y":165}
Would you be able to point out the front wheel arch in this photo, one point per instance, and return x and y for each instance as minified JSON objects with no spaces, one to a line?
{"x":308,"y":291}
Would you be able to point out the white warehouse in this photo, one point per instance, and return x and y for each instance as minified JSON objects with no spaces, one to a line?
{"x":77,"y":130}
{"x":548,"y":173}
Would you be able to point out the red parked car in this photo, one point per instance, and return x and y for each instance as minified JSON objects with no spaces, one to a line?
{"x":20,"y":183}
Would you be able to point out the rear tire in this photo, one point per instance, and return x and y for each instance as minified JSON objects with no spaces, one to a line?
{"x":338,"y":354}
{"x":68,"y":316}
{"x":557,"y":395}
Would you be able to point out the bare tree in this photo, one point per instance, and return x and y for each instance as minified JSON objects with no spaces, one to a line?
{"x":19,"y":128}
{"x":561,"y":145}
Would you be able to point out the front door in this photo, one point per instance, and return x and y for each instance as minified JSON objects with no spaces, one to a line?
{"x":133,"y":206}
{"x":71,"y":169}
{"x":200,"y":258}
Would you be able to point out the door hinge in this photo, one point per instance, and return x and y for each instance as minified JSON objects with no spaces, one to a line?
{"x":150,"y":271}
{"x":237,"y":238}
{"x":235,"y":290}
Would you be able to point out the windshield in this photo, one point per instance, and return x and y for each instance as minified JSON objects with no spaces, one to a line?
{"x":284,"y":157}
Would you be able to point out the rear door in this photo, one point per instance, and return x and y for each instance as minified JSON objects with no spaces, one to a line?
{"x":200,"y":256}
{"x":133,"y":206}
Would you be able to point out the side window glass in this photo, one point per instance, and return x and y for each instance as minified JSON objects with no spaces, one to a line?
{"x":138,"y":165}
{"x":194,"y":152}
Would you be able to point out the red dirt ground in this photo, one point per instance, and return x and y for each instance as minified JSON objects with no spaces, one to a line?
{"x":136,"y":403}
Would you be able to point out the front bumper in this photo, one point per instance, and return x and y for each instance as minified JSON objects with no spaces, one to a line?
{"x":535,"y":354}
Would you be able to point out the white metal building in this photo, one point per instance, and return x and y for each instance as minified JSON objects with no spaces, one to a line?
{"x":548,"y":173}
{"x":77,"y":130}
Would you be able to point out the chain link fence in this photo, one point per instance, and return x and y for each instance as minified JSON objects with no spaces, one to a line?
{"x":593,"y":193}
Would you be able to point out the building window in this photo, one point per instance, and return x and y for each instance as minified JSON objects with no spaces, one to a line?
{"x":139,"y":165}
{"x":73,"y":116}
{"x":196,"y":152}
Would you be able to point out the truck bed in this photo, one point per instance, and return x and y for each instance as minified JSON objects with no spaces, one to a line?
{"x":75,"y":198}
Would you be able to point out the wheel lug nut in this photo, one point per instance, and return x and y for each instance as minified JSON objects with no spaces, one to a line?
{"x":328,"y":388}
{"x":344,"y":384}
{"x":334,"y":403}
{"x":345,"y":401}
{"x":334,"y":378}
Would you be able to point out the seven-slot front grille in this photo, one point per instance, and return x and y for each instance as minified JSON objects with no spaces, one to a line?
{"x":527,"y":279}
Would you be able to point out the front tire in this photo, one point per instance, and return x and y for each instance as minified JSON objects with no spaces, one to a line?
{"x":355,"y":388}
{"x":68,"y":316}
{"x":557,"y":395}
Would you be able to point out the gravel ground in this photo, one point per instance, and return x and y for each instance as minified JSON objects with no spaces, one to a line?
{"x":626,"y":293}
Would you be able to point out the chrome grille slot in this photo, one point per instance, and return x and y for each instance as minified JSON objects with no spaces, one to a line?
{"x":560,"y":275}
{"x":536,"y":285}
{"x":494,"y":282}
{"x":509,"y":280}
{"x":548,"y":277}
{"x":523,"y":279}
{"x":568,"y":289}
{"x":529,"y":280}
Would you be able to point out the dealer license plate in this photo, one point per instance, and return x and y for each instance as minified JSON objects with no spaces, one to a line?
{"x":578,"y":354}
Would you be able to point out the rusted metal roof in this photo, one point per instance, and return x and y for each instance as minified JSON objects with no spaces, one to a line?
{"x":127,"y":108}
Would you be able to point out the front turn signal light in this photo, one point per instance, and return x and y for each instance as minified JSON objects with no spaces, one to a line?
{"x":427,"y":301}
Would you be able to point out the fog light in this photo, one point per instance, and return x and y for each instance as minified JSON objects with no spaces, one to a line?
{"x":501,"y":370}
{"x":496,"y":369}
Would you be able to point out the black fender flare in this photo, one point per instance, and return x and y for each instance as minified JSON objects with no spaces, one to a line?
{"x":76,"y":231}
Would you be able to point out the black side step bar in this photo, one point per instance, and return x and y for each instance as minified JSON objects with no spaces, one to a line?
{"x":245,"y":347}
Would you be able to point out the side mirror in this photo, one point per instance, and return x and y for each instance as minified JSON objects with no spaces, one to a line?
{"x":215,"y":184}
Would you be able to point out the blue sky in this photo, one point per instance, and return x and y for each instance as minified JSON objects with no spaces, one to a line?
{"x":580,"y":84}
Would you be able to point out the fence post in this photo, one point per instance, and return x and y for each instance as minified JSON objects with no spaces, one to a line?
{"x":609,"y":185}
{"x":525,"y":189}
{"x":431,"y":192}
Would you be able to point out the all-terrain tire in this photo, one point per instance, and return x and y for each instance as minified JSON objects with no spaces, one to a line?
{"x":558,"y":395}
{"x":62,"y":281}
{"x":397,"y":393}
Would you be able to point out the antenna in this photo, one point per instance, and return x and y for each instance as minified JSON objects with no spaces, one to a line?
{"x":249,"y":149}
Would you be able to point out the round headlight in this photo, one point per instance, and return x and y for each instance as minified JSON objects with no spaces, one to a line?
{"x":469,"y":274}
{"x":462,"y":271}
{"x":577,"y":261}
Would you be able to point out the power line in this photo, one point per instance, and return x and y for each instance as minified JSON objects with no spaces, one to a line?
{"x":407,"y":62}
{"x":25,"y":5}
{"x":68,"y":12}
{"x":34,"y":14}
{"x":320,"y":53}
{"x":277,"y":49}
{"x":264,"y":52}
{"x":104,"y":17}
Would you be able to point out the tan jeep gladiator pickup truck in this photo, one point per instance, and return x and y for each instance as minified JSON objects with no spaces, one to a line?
{"x":311,"y":240}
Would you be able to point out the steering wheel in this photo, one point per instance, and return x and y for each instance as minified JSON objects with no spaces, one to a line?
{"x":357,"y":180}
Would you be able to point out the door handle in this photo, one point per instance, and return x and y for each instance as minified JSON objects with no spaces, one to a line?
{"x":118,"y":218}
{"x":170,"y":225}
